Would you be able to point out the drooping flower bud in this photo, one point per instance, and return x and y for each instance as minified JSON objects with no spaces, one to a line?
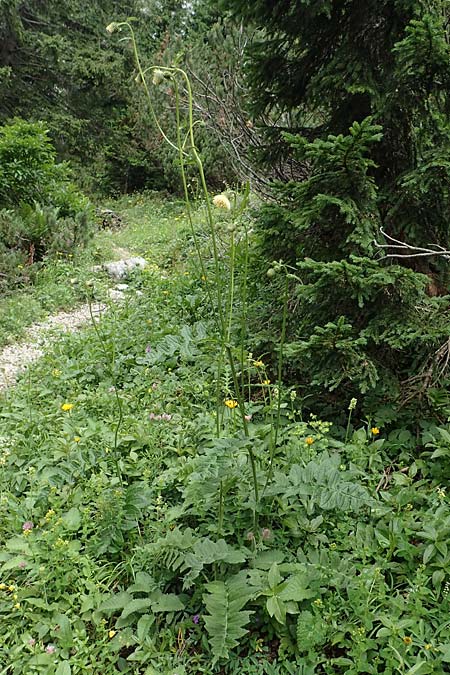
{"x":158,"y":76}
{"x":112,"y":27}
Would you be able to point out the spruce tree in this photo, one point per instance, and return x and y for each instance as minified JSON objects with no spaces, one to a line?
{"x":365,"y":87}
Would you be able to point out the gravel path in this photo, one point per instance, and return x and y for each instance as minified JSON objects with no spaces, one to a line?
{"x":16,"y":357}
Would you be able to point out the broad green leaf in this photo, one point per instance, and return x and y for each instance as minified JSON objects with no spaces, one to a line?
{"x":72,"y":519}
{"x":167,"y":603}
{"x":116,"y":602}
{"x":275,"y":607}
{"x":274,"y":576}
{"x":143,"y":626}
{"x":296,"y":588}
{"x":65,"y":638}
{"x":137,"y":605}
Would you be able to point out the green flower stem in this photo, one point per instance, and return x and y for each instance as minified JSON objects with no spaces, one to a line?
{"x":110,"y":358}
{"x":180,"y":147}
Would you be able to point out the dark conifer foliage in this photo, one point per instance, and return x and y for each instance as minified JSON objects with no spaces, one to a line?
{"x":366,"y":87}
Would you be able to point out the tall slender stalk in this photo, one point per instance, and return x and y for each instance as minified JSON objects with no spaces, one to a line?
{"x":110,"y":359}
{"x":187,"y":148}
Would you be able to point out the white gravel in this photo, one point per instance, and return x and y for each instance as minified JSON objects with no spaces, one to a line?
{"x":16,"y":357}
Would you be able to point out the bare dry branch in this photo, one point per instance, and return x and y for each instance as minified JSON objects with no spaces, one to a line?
{"x":408,"y":251}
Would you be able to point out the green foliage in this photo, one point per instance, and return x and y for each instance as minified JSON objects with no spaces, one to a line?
{"x":225,"y":621}
{"x":41,"y":211}
{"x":58,"y":64}
{"x":369,"y":123}
{"x":161,"y":566}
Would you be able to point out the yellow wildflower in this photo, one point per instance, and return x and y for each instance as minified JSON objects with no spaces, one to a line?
{"x":2,"y":587}
{"x":77,"y":439}
{"x":67,"y":406}
{"x":309,"y":440}
{"x":17,"y":605}
{"x":266,"y":381}
{"x":375,"y":431}
{"x":222,"y":202}
{"x":111,"y":633}
{"x":258,"y":364}
{"x":407,"y":640}
{"x":231,"y":403}
{"x":11,"y":588}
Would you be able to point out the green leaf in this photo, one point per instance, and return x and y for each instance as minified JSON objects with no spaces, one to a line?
{"x":226,"y":622}
{"x":274,"y":576}
{"x":136,"y":605}
{"x":428,"y":553}
{"x":143,"y":626}
{"x":115,"y":602}
{"x":265,"y":559}
{"x":167,"y":603}
{"x":65,"y":637}
{"x":296,"y":588}
{"x":276,"y":608}
{"x":63,"y":668}
{"x":72,"y":519}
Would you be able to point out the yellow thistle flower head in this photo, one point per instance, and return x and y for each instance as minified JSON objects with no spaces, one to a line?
{"x":67,"y":406}
{"x":231,"y":403}
{"x":222,"y":202}
{"x":375,"y":431}
{"x":309,"y":440}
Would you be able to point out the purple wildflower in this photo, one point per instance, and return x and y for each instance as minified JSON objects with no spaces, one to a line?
{"x":31,"y":642}
{"x":22,"y":564}
{"x":28,"y":525}
{"x":50,"y":649}
{"x":148,"y":349}
{"x":196,"y":618}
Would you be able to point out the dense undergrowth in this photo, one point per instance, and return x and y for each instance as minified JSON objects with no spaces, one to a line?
{"x":59,"y":282}
{"x":132,"y":540}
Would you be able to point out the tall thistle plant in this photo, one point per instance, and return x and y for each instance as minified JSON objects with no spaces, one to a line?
{"x":221,"y":295}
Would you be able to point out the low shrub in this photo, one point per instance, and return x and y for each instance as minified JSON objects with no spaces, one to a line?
{"x":42,"y":211}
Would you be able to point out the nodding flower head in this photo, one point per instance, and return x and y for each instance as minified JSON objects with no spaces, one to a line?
{"x":158,"y":76}
{"x":112,"y":27}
